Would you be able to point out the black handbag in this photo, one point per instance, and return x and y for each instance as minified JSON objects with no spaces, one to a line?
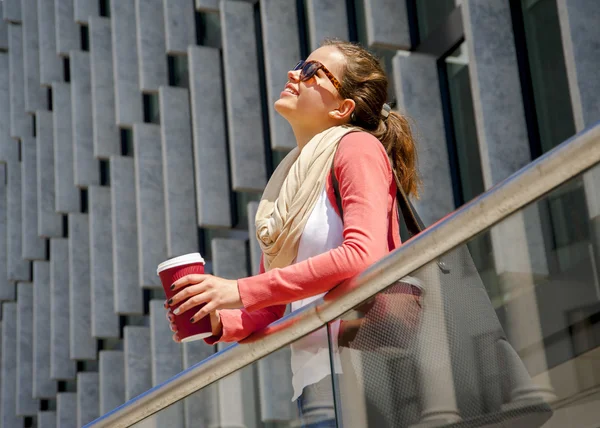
{"x":456,"y":368}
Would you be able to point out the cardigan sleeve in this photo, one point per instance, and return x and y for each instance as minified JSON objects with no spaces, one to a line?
{"x":364,"y":175}
{"x":239,"y":323}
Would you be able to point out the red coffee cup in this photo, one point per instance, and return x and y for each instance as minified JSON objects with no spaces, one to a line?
{"x":169,"y":272}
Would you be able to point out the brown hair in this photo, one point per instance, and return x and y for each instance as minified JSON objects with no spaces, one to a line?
{"x":365,"y":82}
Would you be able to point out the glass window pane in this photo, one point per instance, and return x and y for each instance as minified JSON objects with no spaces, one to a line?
{"x":431,"y":14}
{"x":548,"y":72}
{"x":566,"y":209}
{"x":467,"y":157}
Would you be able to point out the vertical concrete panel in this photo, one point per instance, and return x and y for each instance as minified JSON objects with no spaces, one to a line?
{"x":151,"y":44}
{"x":418,"y":94}
{"x":67,"y":35}
{"x":106,"y":133}
{"x":35,"y":96}
{"x":275,"y":390}
{"x":128,"y":294}
{"x":20,"y":123}
{"x":229,"y":258}
{"x":82,"y":343}
{"x":281,"y":52}
{"x":86,"y":8}
{"x":49,"y":221}
{"x":50,"y":63}
{"x":128,"y":99}
{"x":200,"y":407}
{"x":8,"y":378}
{"x":8,"y":150}
{"x":18,"y":269}
{"x":12,"y":10}
{"x":3,"y":30}
{"x":180,"y":26}
{"x":111,"y":374}
{"x":86,"y":168}
{"x":235,"y":408}
{"x":26,"y":405}
{"x":387,"y":24}
{"x":150,"y":199}
{"x":207,"y":5}
{"x":46,"y":419}
{"x":326,"y":19}
{"x":66,"y":410}
{"x":61,"y":366}
{"x":105,"y":322}
{"x":210,"y":140}
{"x":88,"y":397}
{"x":138,"y":361}
{"x":246,"y":138}
{"x":7,"y":289}
{"x":43,"y":386}
{"x":166,"y":361}
{"x":66,"y":194}
{"x":34,"y":247}
{"x":178,"y":171}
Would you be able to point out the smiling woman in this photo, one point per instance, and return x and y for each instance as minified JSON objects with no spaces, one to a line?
{"x":313,"y":236}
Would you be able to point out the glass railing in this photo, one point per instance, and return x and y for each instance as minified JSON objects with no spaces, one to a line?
{"x":448,"y":345}
{"x":421,"y":338}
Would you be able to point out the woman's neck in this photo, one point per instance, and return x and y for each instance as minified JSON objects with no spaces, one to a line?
{"x":304,"y":135}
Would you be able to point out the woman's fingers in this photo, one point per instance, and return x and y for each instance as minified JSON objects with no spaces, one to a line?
{"x":169,"y":315}
{"x":176,"y":338}
{"x":194,"y":278}
{"x":191,"y":302}
{"x":206,"y":309}
{"x":173,"y":327}
{"x":185,"y":294}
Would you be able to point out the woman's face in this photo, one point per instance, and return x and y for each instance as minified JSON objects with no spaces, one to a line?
{"x":308,"y":104}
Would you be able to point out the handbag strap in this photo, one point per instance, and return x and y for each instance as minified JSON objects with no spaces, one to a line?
{"x":411,"y":218}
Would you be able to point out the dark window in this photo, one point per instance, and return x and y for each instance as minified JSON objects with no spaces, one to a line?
{"x":126,"y":142}
{"x":84,"y":35}
{"x":151,"y":108}
{"x":66,"y":69}
{"x":83,"y":200}
{"x":178,"y":71}
{"x":208,"y":29}
{"x":104,"y":7}
{"x":104,"y":172}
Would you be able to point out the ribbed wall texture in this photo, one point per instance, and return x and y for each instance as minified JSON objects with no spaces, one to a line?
{"x":129,"y":132}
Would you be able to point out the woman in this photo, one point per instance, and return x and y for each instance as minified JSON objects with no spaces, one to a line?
{"x":335,"y":104}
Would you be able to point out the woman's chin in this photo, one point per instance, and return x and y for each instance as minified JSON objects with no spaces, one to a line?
{"x":283,"y":106}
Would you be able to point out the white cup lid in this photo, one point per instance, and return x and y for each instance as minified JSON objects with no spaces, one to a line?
{"x":186,"y":259}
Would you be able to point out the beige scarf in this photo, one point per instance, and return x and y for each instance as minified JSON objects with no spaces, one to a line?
{"x":291,"y":195}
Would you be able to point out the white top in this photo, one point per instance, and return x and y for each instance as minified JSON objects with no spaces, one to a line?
{"x":310,"y":355}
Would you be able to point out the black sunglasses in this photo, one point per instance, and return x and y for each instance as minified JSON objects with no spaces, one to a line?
{"x":309,"y":68}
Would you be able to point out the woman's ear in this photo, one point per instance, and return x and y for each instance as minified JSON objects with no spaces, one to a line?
{"x":344,"y":110}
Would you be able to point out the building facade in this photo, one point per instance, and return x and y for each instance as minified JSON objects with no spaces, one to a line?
{"x":132,"y":131}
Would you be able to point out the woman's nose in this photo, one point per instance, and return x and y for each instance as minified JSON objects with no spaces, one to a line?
{"x":293,"y":75}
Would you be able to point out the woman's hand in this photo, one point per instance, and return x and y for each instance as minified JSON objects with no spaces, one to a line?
{"x":215,"y":323}
{"x":216,"y":293}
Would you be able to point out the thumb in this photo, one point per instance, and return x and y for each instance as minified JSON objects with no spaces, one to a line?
{"x":215,"y":323}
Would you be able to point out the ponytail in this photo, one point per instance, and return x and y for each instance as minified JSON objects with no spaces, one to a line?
{"x":396,"y":136}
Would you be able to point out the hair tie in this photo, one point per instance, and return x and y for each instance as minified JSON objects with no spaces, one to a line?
{"x":385,"y":111}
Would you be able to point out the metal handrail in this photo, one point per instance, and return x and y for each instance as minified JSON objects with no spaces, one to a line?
{"x":571,"y":158}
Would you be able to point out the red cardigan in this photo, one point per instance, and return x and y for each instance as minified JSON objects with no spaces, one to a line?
{"x":368,"y":194}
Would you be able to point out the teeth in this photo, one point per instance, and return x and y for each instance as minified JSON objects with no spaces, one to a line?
{"x":290,"y":91}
